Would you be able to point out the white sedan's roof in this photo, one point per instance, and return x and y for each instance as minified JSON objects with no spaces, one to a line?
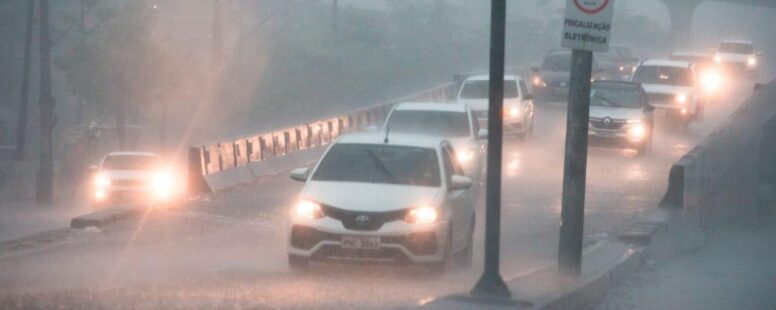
{"x":395,"y":139}
{"x":133,"y":154}
{"x":431,"y":106}
{"x":486,"y":77}
{"x":666,"y":63}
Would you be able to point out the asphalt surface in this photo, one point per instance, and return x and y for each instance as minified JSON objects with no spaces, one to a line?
{"x":228,"y":250}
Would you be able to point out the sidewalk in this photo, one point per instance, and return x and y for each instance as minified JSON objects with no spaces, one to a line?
{"x":735,"y":270}
{"x":22,"y":219}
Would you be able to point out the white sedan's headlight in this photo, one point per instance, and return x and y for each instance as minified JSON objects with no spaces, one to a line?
{"x":465,"y":156}
{"x":422,"y":215}
{"x":308,"y":209}
{"x":752,"y":61}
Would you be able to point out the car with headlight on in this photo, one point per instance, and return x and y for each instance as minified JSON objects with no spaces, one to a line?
{"x":550,"y":81}
{"x":383,"y":198}
{"x":518,"y":111}
{"x":617,"y":63}
{"x":672,"y":87}
{"x":737,"y":54}
{"x":133,"y":179}
{"x":620,"y":116}
{"x":452,"y":121}
{"x":710,"y":74}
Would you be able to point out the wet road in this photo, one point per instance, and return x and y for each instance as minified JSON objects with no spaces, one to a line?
{"x":228,"y":250}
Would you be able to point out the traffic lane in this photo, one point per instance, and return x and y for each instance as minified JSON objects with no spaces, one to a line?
{"x":620,"y":186}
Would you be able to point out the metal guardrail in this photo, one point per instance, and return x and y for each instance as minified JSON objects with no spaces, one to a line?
{"x":214,"y":158}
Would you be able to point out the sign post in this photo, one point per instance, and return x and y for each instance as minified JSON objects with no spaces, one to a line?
{"x":491,"y":285}
{"x":586,"y":29}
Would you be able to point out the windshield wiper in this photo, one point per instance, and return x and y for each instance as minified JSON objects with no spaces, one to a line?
{"x":382,"y":167}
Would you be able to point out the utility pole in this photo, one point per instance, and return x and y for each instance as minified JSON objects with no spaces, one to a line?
{"x":334,"y":19}
{"x":45,"y":177}
{"x":575,"y":164}
{"x":21,"y":126}
{"x":491,"y":285}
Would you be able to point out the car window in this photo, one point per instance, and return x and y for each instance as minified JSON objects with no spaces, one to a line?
{"x":736,"y":48}
{"x":615,"y":96}
{"x":385,"y":164}
{"x":447,"y":124}
{"x":130,"y":162}
{"x":664,"y":75}
{"x":481,"y":89}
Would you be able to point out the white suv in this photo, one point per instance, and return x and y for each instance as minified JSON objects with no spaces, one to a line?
{"x":673,"y":88}
{"x":518,"y":103}
{"x":738,"y":55}
{"x":452,"y":121}
{"x":385,"y":199}
{"x":133,"y":178}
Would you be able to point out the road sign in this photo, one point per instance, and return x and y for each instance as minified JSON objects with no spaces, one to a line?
{"x":587,"y":24}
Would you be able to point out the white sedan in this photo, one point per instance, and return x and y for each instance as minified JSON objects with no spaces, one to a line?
{"x":385,"y":199}
{"x":133,"y":178}
{"x":452,"y":121}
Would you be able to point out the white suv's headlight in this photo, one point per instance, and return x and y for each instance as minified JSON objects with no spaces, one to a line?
{"x":422,"y":215}
{"x":308,"y":209}
{"x":637,"y":132}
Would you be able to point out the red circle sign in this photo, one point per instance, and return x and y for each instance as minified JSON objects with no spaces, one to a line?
{"x":591,"y":6}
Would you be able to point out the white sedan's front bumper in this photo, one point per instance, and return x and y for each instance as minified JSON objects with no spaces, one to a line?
{"x":400,"y":242}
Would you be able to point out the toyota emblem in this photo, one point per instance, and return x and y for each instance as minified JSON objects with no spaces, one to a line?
{"x":362,"y":220}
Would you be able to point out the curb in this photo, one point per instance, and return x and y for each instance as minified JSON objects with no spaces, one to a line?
{"x":104,"y":217}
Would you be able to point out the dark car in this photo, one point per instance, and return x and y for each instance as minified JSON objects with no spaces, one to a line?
{"x":617,"y":64}
{"x":550,"y":81}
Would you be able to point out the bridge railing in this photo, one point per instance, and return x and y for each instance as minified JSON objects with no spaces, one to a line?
{"x":229,"y":162}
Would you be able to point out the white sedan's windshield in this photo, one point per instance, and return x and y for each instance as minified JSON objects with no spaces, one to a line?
{"x":437,"y":123}
{"x":387,"y":164}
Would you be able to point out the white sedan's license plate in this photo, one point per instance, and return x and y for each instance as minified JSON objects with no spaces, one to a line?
{"x":361,"y":242}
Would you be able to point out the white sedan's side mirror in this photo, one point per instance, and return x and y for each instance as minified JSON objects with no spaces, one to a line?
{"x":482,"y":134}
{"x":300,"y":174}
{"x":459,"y":182}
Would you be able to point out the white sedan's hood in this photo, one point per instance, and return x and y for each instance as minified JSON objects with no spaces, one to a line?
{"x":666,"y":89}
{"x":482,"y":104}
{"x":616,"y":113}
{"x":369,"y":197}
